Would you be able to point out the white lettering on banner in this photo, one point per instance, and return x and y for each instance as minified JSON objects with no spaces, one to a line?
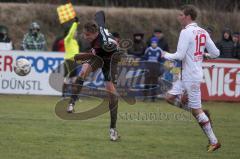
{"x":222,"y":79}
{"x":228,"y":82}
{"x":237,"y":84}
{"x":211,"y":84}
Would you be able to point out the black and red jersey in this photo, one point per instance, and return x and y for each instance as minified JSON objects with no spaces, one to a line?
{"x":104,"y":45}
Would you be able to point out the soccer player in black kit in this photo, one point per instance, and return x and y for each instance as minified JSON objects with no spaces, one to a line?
{"x":103,"y":49}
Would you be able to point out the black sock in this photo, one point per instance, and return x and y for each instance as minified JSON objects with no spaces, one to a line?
{"x":64,"y":90}
{"x":76,"y":89}
{"x":113,"y":107}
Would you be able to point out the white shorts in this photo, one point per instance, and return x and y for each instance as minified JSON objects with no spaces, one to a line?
{"x":177,"y":88}
{"x":193,"y":91}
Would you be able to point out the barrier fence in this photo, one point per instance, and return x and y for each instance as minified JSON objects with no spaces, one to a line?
{"x":221,"y":76}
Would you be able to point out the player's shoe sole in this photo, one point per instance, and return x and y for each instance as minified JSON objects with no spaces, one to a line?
{"x":213,"y":147}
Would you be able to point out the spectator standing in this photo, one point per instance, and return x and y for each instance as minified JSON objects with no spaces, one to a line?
{"x":162,"y":43}
{"x":34,"y":40}
{"x":153,"y":55}
{"x":209,"y":29}
{"x":58,"y":44}
{"x":139,"y":45}
{"x":5,"y":41}
{"x":226,"y":44}
{"x":236,"y":45}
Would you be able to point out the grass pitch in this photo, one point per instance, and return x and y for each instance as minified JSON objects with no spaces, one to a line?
{"x":29,"y":129}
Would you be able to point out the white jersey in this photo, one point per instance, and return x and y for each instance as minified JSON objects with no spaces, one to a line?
{"x":191,"y":45}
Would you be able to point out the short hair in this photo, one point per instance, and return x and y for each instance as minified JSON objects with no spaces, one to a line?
{"x":209,"y":29}
{"x":116,"y":35}
{"x":157,"y":30}
{"x":189,"y":10}
{"x":236,"y":34}
{"x":91,"y":26}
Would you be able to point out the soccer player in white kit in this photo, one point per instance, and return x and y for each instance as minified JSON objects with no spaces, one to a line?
{"x":190,"y":50}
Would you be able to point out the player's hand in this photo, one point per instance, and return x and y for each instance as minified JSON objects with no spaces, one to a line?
{"x":163,"y":54}
{"x":206,"y":56}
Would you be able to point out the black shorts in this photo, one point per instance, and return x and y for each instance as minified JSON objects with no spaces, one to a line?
{"x":108,"y":64}
{"x":70,"y":68}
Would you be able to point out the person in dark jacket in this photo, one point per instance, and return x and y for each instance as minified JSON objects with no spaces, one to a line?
{"x":5,"y":40}
{"x":58,"y":44}
{"x":236,"y":45}
{"x":139,"y":45}
{"x":226,"y":44}
{"x":153,"y":55}
{"x":210,"y":29}
{"x":34,"y":40}
{"x":162,"y":43}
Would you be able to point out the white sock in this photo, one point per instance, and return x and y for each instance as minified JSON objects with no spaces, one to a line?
{"x":207,"y":128}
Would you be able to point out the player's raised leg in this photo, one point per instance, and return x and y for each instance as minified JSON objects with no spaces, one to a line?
{"x":77,"y":85}
{"x":176,"y":96}
{"x":179,"y":98}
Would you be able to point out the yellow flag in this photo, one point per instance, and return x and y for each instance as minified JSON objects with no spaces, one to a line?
{"x":66,"y":12}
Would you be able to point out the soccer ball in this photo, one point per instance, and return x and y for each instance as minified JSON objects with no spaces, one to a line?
{"x":22,"y":67}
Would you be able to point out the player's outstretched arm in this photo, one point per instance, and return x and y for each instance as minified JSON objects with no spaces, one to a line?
{"x":181,"y":47}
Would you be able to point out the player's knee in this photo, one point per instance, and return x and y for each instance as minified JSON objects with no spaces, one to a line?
{"x":170,"y":98}
{"x":196,"y":112}
{"x":110,"y":87}
{"x":74,"y":89}
{"x":86,"y":69}
{"x":83,"y":74}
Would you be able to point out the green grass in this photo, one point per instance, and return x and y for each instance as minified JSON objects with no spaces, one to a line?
{"x":29,"y":129}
